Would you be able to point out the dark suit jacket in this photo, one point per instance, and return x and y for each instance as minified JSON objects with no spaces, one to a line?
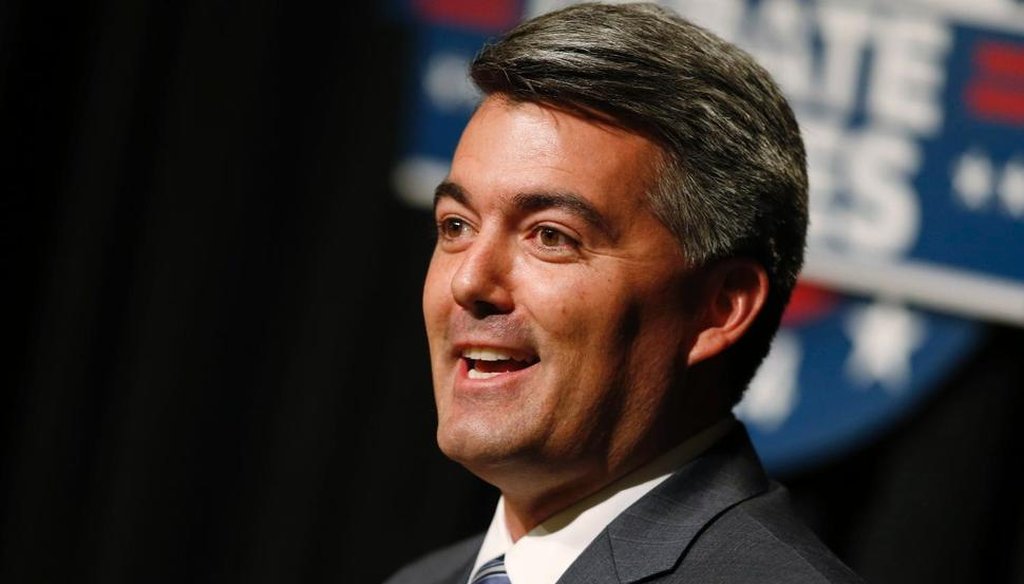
{"x":718,"y":519}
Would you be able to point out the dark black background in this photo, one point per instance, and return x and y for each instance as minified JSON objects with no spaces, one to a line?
{"x":215,"y":369}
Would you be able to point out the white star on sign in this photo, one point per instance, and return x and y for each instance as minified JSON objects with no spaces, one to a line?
{"x":1011,"y":188}
{"x":772,"y":395}
{"x":972,"y":179}
{"x":884,"y":337}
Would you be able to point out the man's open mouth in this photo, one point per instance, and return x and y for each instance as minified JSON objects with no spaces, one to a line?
{"x":485,"y":363}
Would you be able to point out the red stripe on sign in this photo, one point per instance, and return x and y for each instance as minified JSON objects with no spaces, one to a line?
{"x":488,"y":16}
{"x":808,"y":303}
{"x":995,"y":102}
{"x":1000,"y":59}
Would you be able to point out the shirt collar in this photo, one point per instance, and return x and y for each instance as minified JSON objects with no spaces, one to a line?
{"x":546,"y":552}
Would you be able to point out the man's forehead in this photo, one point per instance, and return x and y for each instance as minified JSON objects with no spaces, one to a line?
{"x":527,"y":146}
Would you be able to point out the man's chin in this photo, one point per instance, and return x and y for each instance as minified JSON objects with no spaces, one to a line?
{"x":479,"y":449}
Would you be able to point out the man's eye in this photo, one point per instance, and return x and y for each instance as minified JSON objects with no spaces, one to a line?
{"x":452,"y":228}
{"x":551,"y":237}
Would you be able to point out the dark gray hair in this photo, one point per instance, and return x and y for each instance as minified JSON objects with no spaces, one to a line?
{"x":733,"y":178}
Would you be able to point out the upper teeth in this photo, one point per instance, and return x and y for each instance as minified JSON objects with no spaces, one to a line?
{"x":487,"y":354}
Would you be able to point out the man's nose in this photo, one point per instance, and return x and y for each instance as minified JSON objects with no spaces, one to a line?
{"x":481,"y":283}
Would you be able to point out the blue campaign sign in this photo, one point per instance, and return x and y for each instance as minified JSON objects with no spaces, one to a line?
{"x":914,"y":122}
{"x":842,"y":374}
{"x":439,"y":105}
{"x":913,"y":116}
{"x":448,"y":33}
{"x":973,"y":176}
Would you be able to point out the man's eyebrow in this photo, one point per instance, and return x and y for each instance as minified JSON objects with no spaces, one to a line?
{"x":452,"y":191}
{"x":565,"y":201}
{"x":536,"y":201}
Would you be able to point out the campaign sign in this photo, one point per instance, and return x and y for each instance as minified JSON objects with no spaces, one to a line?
{"x":836,"y":378}
{"x":913,"y":116}
{"x":447,"y":34}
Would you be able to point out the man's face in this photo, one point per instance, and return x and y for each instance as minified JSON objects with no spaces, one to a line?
{"x":555,"y":301}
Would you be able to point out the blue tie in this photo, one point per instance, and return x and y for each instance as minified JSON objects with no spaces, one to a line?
{"x":493,"y":572}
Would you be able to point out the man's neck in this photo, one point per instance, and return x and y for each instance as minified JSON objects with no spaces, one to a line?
{"x":524,"y":512}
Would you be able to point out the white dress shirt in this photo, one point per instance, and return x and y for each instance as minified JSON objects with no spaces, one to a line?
{"x":546,"y":552}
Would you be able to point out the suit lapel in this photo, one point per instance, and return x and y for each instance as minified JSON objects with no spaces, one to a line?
{"x":653,"y":534}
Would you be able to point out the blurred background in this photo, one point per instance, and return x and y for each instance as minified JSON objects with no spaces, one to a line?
{"x":214,"y":225}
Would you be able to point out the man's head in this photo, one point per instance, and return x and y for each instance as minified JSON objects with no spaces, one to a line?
{"x":628,"y":201}
{"x":732,"y":179}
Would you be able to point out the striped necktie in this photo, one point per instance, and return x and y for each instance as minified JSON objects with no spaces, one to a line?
{"x":493,"y":572}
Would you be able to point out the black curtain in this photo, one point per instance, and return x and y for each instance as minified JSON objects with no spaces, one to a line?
{"x":215,"y":366}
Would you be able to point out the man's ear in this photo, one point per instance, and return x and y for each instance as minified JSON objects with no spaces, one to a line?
{"x":735,"y":290}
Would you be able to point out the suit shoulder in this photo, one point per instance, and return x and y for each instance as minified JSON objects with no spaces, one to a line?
{"x":443,"y":565}
{"x":763,"y":536}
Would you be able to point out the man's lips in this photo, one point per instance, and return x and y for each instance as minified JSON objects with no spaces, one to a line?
{"x":490,"y":362}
